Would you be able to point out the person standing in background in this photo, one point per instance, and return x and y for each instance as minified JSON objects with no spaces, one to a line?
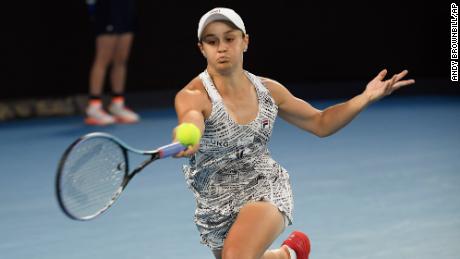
{"x":114,"y":25}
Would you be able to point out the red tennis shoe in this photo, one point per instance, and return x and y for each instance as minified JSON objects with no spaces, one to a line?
{"x":300,"y":243}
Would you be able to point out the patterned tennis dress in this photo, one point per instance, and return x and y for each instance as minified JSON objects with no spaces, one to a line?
{"x":233,"y":166}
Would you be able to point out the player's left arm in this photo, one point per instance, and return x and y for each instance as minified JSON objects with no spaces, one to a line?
{"x":328,"y":121}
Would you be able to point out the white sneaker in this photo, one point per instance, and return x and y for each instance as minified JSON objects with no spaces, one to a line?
{"x":95,"y":115}
{"x":122,"y":114}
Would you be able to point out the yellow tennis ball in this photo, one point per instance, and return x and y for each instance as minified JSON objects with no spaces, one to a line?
{"x":188,"y":134}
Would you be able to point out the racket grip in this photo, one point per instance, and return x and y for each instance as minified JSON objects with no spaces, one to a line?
{"x":171,"y":149}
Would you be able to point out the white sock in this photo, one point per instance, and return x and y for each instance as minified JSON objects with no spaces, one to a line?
{"x":292,"y":253}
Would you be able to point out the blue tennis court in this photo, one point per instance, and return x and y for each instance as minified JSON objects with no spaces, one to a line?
{"x":386,"y":186}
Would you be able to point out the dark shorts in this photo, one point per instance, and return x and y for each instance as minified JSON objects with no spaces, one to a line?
{"x":114,"y":17}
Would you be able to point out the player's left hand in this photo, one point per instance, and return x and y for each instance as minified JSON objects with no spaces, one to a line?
{"x":378,"y":88}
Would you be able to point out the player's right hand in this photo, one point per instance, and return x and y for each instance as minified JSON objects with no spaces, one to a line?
{"x":187,"y":152}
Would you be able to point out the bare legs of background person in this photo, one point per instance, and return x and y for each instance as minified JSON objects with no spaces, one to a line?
{"x":114,"y":50}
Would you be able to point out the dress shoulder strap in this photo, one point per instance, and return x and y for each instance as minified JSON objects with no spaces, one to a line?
{"x":209,"y":86}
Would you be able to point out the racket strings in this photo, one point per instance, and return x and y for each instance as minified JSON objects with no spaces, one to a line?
{"x":92,"y":177}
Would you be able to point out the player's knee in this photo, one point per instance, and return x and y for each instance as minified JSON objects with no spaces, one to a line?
{"x":235,"y":252}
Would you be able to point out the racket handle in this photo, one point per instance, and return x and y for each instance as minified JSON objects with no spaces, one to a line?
{"x":171,"y":149}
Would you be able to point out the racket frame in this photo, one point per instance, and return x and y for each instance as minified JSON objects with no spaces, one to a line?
{"x":153,"y":155}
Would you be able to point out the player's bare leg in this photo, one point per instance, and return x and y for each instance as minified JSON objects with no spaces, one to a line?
{"x":258,"y":224}
{"x":276,"y":253}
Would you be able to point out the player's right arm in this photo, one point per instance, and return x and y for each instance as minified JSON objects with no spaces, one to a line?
{"x":192,"y":105}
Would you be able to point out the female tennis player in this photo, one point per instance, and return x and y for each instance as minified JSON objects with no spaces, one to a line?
{"x":244,"y":199}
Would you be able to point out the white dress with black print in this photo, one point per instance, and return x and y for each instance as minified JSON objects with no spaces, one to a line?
{"x":233,"y":166}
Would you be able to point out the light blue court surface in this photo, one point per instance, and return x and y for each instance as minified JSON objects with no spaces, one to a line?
{"x":386,"y":186}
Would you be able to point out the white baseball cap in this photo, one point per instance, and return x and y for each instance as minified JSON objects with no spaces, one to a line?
{"x":220,"y":13}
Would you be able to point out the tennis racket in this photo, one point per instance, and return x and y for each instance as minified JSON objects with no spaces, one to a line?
{"x":94,"y":171}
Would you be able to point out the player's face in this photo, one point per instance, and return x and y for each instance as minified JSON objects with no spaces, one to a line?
{"x":223,"y":46}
